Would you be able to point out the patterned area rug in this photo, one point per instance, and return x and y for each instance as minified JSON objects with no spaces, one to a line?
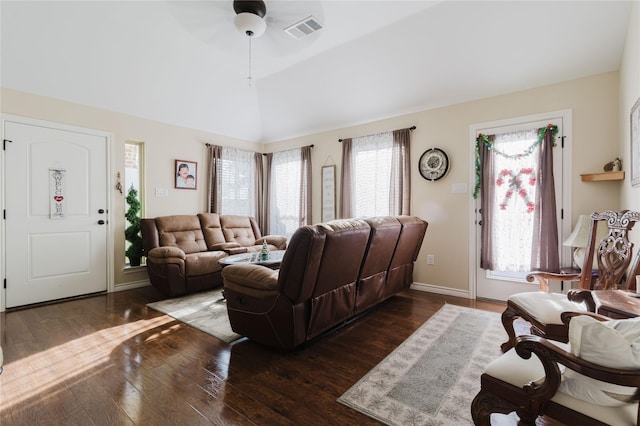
{"x":206,"y":311}
{"x":433,"y":376}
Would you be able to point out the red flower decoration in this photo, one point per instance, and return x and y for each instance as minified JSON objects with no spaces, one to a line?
{"x":505,"y":172}
{"x":532,"y":181}
{"x":503,"y":206}
{"x":508,"y":194}
{"x":499,"y":182}
{"x":523,"y":193}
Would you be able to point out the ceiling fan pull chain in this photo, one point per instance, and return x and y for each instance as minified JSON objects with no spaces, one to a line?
{"x":249,"y":78}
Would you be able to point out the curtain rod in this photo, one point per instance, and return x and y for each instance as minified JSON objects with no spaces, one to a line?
{"x":311,"y":146}
{"x":410,"y":128}
{"x":208,"y":145}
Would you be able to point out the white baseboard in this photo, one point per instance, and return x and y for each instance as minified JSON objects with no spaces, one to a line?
{"x":132,"y":285}
{"x":441,"y":290}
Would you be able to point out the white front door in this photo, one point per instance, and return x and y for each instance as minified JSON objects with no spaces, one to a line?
{"x":56,"y":212}
{"x":499,"y":285}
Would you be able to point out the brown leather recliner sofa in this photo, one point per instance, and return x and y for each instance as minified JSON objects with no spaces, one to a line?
{"x":183,"y":251}
{"x":330,"y":273}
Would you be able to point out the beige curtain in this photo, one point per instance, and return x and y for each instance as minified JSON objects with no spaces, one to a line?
{"x":400,"y":188}
{"x":267,"y":198}
{"x":215,"y":152}
{"x":545,"y":256}
{"x":487,"y":195}
{"x":345,"y":211}
{"x":259,"y":192}
{"x":305,"y":186}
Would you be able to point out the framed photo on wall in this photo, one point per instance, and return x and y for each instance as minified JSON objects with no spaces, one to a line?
{"x":328,"y":193}
{"x":635,"y":144}
{"x":186,"y":174}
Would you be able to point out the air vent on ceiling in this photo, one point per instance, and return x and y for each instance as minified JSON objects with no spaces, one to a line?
{"x":303,"y":28}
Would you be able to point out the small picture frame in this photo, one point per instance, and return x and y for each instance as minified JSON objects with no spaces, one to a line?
{"x":186,"y":174}
{"x":328,"y":193}
{"x":635,"y":144}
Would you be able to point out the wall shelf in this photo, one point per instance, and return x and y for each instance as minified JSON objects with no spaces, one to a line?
{"x":596,"y":177}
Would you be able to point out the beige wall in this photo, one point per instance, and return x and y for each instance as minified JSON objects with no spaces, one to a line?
{"x":629,"y":94}
{"x":164,"y":144}
{"x":594,"y":105}
{"x":593,"y":101}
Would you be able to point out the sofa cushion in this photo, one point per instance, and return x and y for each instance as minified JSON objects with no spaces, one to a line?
{"x":182,"y":231}
{"x":614,"y":344}
{"x":203,"y":263}
{"x":212,"y":230}
{"x":238,"y":229}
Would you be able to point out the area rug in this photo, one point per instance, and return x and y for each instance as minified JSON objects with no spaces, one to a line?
{"x":206,"y":311}
{"x":433,"y":376}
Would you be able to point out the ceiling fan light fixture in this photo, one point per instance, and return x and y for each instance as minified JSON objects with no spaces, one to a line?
{"x":250,"y":24}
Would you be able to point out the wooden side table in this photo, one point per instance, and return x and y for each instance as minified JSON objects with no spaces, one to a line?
{"x":617,"y":304}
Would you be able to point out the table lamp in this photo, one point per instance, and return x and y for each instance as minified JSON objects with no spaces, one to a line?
{"x":579,"y":239}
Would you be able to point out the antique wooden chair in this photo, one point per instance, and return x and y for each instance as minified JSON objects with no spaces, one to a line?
{"x":613,"y":253}
{"x":592,"y":381}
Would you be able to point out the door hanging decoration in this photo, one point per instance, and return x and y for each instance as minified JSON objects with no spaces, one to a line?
{"x":57,"y":192}
{"x":515,"y":180}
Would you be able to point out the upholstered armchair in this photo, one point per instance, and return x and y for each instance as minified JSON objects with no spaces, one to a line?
{"x":613,"y":255}
{"x":593,"y":380}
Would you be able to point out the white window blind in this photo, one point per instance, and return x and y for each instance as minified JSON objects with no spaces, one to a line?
{"x":371,"y":164}
{"x":237,"y":183}
{"x":286,"y":180}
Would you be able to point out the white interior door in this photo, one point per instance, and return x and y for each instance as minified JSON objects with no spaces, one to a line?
{"x":56,"y":213}
{"x":498,"y":285}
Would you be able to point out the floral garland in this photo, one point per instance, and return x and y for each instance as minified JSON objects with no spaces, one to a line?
{"x":484,"y":139}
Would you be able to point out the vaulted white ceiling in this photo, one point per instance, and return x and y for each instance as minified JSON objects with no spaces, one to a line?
{"x":184,"y":63}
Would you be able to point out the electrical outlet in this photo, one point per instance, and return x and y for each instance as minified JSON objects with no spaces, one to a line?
{"x":431,"y":259}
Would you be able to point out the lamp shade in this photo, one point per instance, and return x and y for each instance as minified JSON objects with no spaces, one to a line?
{"x":250,"y":24}
{"x":580,"y":235}
{"x":579,"y":238}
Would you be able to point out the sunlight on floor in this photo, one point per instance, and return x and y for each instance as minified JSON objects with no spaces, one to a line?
{"x":44,"y":371}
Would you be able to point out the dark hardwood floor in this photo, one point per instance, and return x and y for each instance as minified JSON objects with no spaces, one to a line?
{"x":110,"y":360}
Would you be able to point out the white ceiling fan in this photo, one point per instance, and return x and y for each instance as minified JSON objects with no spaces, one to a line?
{"x":223,"y":24}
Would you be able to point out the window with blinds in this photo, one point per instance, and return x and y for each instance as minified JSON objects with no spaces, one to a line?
{"x":371,"y":165}
{"x":236,"y":179}
{"x":286,"y":181}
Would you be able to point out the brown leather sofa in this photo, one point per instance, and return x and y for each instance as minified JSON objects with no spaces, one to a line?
{"x":183,"y":251}
{"x":330,"y":273}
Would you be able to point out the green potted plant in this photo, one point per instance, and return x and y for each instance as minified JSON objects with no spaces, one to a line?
{"x":132,"y":232}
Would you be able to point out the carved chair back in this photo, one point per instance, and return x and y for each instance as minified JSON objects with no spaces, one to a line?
{"x":613,"y":253}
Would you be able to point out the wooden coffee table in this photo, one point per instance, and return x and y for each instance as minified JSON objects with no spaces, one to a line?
{"x":274,"y":260}
{"x":617,"y":303}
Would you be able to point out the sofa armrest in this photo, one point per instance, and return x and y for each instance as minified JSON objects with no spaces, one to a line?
{"x":280,"y":241}
{"x":253,"y":280}
{"x":166,"y":252}
{"x":167,"y":255}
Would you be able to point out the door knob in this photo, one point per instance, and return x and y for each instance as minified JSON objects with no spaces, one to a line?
{"x":101,"y":222}
{"x":100,"y":211}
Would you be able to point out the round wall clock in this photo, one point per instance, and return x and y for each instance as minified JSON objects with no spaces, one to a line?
{"x":434,"y":164}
